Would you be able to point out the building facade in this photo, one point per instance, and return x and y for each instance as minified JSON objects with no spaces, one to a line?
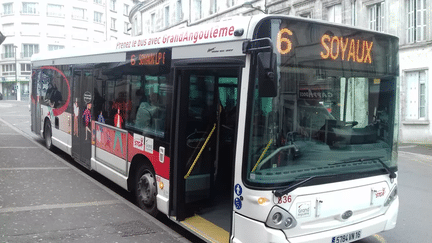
{"x":34,"y":26}
{"x":410,"y":20}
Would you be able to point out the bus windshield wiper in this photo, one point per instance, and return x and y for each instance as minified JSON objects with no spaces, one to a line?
{"x":281,"y":192}
{"x":392,"y":175}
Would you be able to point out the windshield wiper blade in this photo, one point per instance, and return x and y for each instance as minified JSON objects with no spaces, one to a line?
{"x":281,"y":192}
{"x":392,"y":174}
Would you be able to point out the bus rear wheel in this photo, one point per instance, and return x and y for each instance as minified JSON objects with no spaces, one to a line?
{"x":48,"y":135}
{"x":145,"y":189}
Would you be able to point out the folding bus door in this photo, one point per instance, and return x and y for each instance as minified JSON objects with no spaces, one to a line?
{"x":82,"y":116}
{"x":203,"y":165}
{"x":34,"y":103}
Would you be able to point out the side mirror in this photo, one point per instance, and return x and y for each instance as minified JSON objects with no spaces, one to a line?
{"x":267,"y":84}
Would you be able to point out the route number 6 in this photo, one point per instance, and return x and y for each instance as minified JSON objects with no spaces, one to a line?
{"x":284,"y":44}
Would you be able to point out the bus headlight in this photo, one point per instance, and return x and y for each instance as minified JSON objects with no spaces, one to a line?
{"x":279,"y":218}
{"x":392,"y":196}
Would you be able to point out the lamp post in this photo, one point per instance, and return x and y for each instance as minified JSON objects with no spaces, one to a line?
{"x":16,"y":75}
{"x":249,"y":5}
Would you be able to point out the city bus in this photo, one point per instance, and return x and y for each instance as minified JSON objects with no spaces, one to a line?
{"x":265,"y":128}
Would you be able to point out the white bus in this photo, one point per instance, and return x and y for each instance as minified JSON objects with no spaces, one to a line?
{"x":254,"y":129}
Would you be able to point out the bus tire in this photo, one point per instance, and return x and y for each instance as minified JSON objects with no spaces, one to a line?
{"x":145,"y":189}
{"x":48,"y":135}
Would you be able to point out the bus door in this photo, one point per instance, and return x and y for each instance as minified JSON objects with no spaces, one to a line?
{"x":203,"y":170}
{"x":34,"y":104}
{"x":82,"y":116}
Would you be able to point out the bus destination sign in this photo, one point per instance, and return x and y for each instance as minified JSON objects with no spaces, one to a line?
{"x":155,"y":58}
{"x":346,"y":49}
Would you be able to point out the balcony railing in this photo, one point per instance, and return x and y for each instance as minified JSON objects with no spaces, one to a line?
{"x":29,"y":12}
{"x":55,"y":14}
{"x":7,"y":13}
{"x":8,"y":73}
{"x":27,"y":55}
{"x":78,"y":17}
{"x":7,"y":55}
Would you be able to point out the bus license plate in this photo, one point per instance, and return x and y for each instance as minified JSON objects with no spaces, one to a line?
{"x":349,"y":237}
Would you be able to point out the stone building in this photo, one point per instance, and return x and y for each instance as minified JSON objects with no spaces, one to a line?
{"x":34,"y":26}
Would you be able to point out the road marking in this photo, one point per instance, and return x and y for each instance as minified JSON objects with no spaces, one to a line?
{"x":35,"y":168}
{"x":420,"y":158}
{"x":380,"y":238}
{"x":407,"y":146}
{"x":19,"y":147}
{"x":58,"y":206}
{"x":12,"y":115}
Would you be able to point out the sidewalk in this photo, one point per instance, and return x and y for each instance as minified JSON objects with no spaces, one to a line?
{"x":45,"y":199}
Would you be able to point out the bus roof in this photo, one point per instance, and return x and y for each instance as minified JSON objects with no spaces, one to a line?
{"x":228,"y":29}
{"x":222,"y":31}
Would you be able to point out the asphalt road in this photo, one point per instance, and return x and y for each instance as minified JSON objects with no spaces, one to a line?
{"x":415,"y":167}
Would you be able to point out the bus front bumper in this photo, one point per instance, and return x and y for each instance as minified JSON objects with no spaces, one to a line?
{"x":249,"y":230}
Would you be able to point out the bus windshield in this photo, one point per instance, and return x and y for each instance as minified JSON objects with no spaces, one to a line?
{"x":330,"y":115}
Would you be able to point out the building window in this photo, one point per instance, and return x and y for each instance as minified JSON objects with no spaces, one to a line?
{"x":97,"y":1}
{"x":126,"y":28}
{"x":8,"y":8}
{"x":376,"y":16}
{"x":230,"y":3}
{"x":9,"y":51}
{"x":198,"y":9}
{"x":152,"y":22}
{"x":25,"y":69}
{"x":179,"y":15}
{"x":416,"y":22}
{"x":167,"y":16}
{"x":78,"y":13}
{"x":113,"y":22}
{"x":113,"y":5}
{"x":8,"y":69}
{"x":8,"y":29}
{"x":126,"y":10}
{"x":55,"y":47}
{"x":55,"y":10}
{"x":416,"y":95}
{"x":29,"y":8}
{"x":354,"y":12}
{"x":137,"y":24}
{"x":30,"y":49}
{"x":334,"y":13}
{"x":307,"y":15}
{"x":213,"y":6}
{"x":97,"y":17}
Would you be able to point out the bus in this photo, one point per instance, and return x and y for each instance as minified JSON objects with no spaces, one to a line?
{"x":265,"y":128}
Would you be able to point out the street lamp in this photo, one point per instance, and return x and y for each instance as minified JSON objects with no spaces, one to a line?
{"x":249,"y":5}
{"x":16,"y":74}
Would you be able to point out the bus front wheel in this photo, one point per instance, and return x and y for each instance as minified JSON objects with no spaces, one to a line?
{"x":145,"y":189}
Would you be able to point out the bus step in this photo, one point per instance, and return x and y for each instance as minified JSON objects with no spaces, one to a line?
{"x":206,"y":229}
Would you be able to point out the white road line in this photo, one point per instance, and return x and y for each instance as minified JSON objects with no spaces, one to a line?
{"x":58,"y":206}
{"x":420,"y":158}
{"x":407,"y":146}
{"x":19,"y":147}
{"x":35,"y":168}
{"x":380,"y":238}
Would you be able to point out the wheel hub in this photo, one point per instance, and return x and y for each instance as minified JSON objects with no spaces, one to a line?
{"x":147,"y":189}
